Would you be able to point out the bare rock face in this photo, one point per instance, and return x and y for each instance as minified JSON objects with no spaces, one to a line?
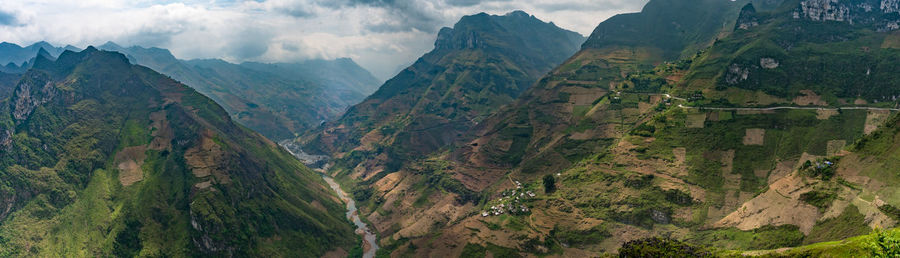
{"x":823,"y":10}
{"x":736,"y":74}
{"x":881,"y":15}
{"x":450,"y":39}
{"x":5,"y":138}
{"x":747,"y":18}
{"x":768,"y":63}
{"x":890,"y":6}
{"x":33,"y":91}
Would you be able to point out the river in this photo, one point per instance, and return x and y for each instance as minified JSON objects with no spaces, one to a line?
{"x":370,"y":245}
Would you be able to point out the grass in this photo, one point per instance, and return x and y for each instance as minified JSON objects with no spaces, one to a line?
{"x":767,"y":237}
{"x":849,"y":224}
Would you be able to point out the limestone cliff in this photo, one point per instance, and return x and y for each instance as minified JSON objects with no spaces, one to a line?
{"x":880,"y":15}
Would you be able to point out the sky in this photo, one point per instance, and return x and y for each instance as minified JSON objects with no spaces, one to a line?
{"x":383,"y":36}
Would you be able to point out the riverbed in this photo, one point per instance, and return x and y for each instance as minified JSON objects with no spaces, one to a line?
{"x":370,"y":245}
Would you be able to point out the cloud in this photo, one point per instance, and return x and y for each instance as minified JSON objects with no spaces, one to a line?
{"x":7,"y":18}
{"x":379,"y":34}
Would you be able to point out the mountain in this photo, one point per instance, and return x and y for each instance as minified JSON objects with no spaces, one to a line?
{"x":104,"y":158}
{"x":482,"y":63}
{"x":7,"y":84}
{"x":15,"y":58}
{"x":710,"y":148}
{"x":716,"y":123}
{"x":342,"y":74}
{"x":277,"y":100}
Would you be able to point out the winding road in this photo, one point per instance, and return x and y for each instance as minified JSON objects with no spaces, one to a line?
{"x":789,"y":107}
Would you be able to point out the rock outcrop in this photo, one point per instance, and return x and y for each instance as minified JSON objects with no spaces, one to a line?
{"x":747,"y":19}
{"x":878,"y":15}
{"x":34,"y":90}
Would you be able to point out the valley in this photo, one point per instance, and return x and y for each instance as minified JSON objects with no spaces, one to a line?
{"x":708,"y":128}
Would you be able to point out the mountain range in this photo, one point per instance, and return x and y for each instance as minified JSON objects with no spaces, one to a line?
{"x":688,"y":129}
{"x":721,"y":124}
{"x":101,"y":157}
{"x":279,"y":100}
{"x":15,"y":58}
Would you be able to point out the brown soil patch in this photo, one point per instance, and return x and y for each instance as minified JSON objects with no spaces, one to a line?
{"x":623,"y":234}
{"x":780,"y":205}
{"x":807,"y":157}
{"x":809,"y":98}
{"x":755,"y":137}
{"x":161,"y":131}
{"x":713,"y":116}
{"x":835,"y":147}
{"x":680,"y":155}
{"x":645,"y":107}
{"x":860,"y":102}
{"x":875,"y":119}
{"x":366,"y":142}
{"x":874,"y":216}
{"x":129,"y":162}
{"x":318,"y":206}
{"x":601,"y":131}
{"x":782,"y":169}
{"x":388,"y":182}
{"x":695,"y":120}
{"x":825,"y":114}
{"x":203,"y":185}
{"x":207,"y":159}
{"x":728,"y":162}
{"x":583,"y":96}
{"x":337,"y":253}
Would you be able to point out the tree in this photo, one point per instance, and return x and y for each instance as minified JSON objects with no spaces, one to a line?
{"x":549,"y":183}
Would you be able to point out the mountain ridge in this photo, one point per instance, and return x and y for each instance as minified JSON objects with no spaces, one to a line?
{"x":102,"y":158}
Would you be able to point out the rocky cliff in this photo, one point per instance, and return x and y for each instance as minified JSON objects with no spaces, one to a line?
{"x":883,"y":15}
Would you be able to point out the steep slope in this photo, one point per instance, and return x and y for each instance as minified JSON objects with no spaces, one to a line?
{"x":642,"y":145}
{"x":105,"y":158}
{"x":620,"y":130}
{"x":277,"y":100}
{"x":7,"y":84}
{"x":484,"y":62}
{"x":848,"y":58}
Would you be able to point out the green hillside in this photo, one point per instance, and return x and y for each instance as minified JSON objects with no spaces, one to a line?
{"x":277,"y":100}
{"x":105,"y":158}
{"x":482,"y":63}
{"x":727,"y":125}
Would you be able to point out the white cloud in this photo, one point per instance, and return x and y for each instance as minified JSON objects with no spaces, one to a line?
{"x":381,"y":35}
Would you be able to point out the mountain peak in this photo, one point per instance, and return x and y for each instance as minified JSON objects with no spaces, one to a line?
{"x":42,"y":52}
{"x":519,"y":13}
{"x":109,"y":45}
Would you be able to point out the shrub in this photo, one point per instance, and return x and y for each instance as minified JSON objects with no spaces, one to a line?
{"x":549,"y":183}
{"x":661,"y":247}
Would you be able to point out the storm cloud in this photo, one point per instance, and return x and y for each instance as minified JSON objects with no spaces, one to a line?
{"x":7,"y":18}
{"x":381,"y":35}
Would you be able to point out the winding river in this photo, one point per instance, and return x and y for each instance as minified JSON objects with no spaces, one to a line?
{"x":370,"y":245}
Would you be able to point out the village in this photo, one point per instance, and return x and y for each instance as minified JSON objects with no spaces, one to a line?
{"x":512,"y":202}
